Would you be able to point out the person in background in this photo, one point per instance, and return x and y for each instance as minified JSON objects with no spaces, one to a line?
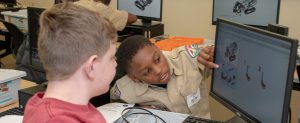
{"x":119,"y":18}
{"x":172,"y":81}
{"x":76,"y":47}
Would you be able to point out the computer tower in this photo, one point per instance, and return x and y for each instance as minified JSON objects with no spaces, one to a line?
{"x":148,"y":30}
{"x":279,"y":29}
{"x":27,"y":93}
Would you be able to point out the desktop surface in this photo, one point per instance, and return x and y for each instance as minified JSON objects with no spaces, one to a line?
{"x":168,"y":117}
{"x":218,"y":111}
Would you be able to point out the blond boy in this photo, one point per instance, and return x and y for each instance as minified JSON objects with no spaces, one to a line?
{"x":76,"y":48}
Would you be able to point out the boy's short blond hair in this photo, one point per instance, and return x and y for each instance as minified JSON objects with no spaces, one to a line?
{"x":69,"y":34}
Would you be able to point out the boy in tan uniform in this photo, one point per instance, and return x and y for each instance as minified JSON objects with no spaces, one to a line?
{"x":173,"y":81}
{"x":119,"y":18}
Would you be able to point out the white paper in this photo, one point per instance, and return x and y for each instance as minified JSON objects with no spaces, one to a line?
{"x":112,"y":111}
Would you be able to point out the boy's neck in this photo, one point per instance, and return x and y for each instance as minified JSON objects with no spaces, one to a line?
{"x":70,"y":91}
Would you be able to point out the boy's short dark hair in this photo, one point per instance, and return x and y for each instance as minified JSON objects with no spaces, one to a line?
{"x":128,"y":49}
{"x":69,"y":35}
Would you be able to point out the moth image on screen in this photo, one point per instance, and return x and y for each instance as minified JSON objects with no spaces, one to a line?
{"x":142,"y":4}
{"x":228,"y":69}
{"x":146,"y":10}
{"x":249,"y":12}
{"x":244,"y":6}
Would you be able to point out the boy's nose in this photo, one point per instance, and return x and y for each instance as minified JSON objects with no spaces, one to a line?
{"x":157,"y":69}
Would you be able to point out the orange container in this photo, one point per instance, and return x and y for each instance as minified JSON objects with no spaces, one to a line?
{"x":177,"y":41}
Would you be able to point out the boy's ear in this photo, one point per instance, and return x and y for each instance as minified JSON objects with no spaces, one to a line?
{"x":89,"y":66}
{"x":133,"y":78}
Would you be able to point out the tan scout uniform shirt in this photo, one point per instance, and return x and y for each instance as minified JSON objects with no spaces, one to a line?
{"x":186,"y":91}
{"x":117,"y":17}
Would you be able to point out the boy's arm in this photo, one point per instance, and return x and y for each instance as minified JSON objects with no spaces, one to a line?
{"x":201,"y":57}
{"x":115,"y":94}
{"x":124,"y":90}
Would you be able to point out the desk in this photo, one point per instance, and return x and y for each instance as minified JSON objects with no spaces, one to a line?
{"x":218,"y":111}
{"x":5,"y":40}
{"x":169,"y":117}
{"x":221,"y":113}
{"x":24,"y":84}
{"x":3,"y":32}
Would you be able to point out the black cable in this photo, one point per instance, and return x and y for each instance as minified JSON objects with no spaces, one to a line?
{"x":147,"y":112}
{"x":129,"y":108}
{"x":125,"y":118}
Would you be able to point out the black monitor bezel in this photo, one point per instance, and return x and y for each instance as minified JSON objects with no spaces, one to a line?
{"x":292,"y":61}
{"x":258,"y":26}
{"x":145,"y":17}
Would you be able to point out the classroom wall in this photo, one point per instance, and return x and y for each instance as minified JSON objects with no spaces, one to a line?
{"x":193,"y":17}
{"x":289,"y":16}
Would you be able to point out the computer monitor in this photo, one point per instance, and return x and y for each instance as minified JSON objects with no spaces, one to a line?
{"x":256,"y":72}
{"x":146,"y":10}
{"x":33,"y":14}
{"x":9,"y":3}
{"x":258,"y":13}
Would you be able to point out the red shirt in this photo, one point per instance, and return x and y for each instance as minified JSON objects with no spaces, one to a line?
{"x":50,"y":110}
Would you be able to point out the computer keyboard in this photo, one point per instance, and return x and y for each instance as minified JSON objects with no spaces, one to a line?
{"x":13,"y":111}
{"x":191,"y":119}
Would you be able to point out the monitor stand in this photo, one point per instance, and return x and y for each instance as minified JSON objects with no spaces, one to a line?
{"x":236,"y":119}
{"x":143,"y":23}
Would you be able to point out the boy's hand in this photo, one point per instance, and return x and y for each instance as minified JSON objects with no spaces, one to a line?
{"x":206,"y":57}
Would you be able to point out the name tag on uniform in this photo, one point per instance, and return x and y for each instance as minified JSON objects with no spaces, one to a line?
{"x":193,"y":98}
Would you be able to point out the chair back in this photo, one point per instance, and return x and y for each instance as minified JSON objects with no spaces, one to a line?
{"x":16,"y":36}
{"x":5,"y":45}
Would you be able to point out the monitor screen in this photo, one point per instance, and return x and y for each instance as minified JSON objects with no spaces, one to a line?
{"x":147,"y":10}
{"x":256,"y":71}
{"x":257,"y":13}
{"x":33,"y":31}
